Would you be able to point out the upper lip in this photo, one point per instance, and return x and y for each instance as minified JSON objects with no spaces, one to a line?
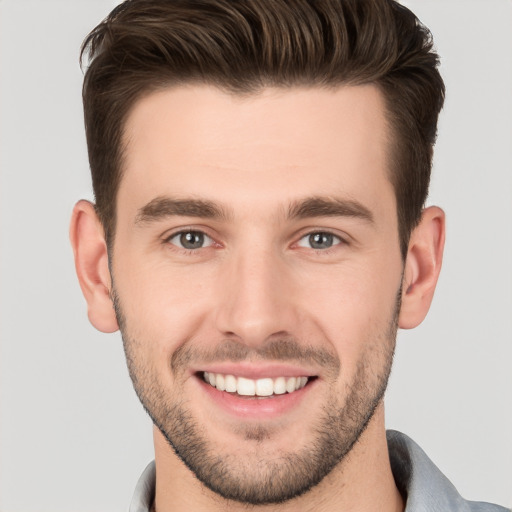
{"x":255,"y":371}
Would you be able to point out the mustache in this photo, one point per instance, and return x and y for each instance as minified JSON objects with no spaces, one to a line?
{"x":281,"y":349}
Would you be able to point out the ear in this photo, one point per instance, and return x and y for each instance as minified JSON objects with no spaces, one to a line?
{"x":422,"y":267}
{"x":91,"y":263}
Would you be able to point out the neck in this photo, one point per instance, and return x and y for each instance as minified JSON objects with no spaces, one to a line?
{"x":362,"y":482}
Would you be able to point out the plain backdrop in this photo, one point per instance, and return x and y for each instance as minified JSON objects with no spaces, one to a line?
{"x":73,"y":436}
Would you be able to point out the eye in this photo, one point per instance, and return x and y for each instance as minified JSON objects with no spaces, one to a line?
{"x":319,"y":240}
{"x":190,"y":240}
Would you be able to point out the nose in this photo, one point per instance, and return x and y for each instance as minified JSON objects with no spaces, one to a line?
{"x":257,"y":300}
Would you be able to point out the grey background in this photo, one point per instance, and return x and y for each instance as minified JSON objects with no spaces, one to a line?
{"x":72,"y":433}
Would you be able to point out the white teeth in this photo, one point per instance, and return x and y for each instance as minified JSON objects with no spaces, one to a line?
{"x":220,"y":382}
{"x":280,"y":386}
{"x":251,"y":387}
{"x":246,"y":387}
{"x":230,"y":383}
{"x":264,"y":387}
{"x":291,"y":382}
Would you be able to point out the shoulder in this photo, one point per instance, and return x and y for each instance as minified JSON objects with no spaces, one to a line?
{"x":422,"y":484}
{"x":481,"y":506}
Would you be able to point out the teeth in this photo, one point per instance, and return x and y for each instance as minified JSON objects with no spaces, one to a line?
{"x":264,"y":387}
{"x":246,"y":387}
{"x":220,"y":382}
{"x":230,"y":383}
{"x":251,"y":387}
{"x":291,"y":384}
{"x":280,"y":386}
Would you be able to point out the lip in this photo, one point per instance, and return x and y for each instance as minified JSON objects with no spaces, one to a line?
{"x":256,"y":371}
{"x":253,"y":407}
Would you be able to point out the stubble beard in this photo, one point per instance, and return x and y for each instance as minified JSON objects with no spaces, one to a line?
{"x":253,"y":479}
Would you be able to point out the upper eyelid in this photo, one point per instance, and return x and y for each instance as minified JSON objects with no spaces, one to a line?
{"x":320,"y":230}
{"x":296,"y":237}
{"x":182,"y":231}
{"x":344,"y":237}
{"x":177,"y":246}
{"x":166,"y":237}
{"x":341,"y":240}
{"x":170,"y":233}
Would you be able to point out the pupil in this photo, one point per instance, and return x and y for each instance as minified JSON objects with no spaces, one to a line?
{"x":192,"y":240}
{"x":321,"y":240}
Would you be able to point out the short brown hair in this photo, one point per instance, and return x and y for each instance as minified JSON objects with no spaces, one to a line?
{"x":244,"y":45}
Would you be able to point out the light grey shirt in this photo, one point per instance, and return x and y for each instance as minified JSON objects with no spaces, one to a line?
{"x":423,"y":486}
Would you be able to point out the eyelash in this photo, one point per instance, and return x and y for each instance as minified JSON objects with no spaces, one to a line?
{"x":338,"y":241}
{"x":168,"y":241}
{"x":194,"y":251}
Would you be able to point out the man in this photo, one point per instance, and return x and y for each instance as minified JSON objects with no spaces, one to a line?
{"x":260,"y":171}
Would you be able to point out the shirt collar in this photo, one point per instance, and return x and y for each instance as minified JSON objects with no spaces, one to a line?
{"x":144,"y":494}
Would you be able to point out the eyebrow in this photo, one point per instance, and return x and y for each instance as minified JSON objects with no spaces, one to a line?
{"x":329,"y":207}
{"x":163,"y":207}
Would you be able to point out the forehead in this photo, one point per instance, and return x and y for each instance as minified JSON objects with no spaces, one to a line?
{"x":276,"y":145}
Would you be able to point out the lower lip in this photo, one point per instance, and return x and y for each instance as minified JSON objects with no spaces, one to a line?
{"x":250,"y":407}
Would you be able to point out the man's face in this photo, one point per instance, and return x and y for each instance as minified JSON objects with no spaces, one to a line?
{"x":257,"y":249}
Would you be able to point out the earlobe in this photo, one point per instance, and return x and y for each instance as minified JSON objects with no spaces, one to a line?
{"x":91,"y":263}
{"x":422,"y":267}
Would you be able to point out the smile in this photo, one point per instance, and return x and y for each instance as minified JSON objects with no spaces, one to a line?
{"x":255,"y":387}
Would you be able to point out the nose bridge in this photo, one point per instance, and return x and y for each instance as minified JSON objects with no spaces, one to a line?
{"x":255,"y":296}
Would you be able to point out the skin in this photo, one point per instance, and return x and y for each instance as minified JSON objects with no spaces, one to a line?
{"x":257,"y":280}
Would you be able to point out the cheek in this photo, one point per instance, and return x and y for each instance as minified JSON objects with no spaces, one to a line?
{"x":353,"y":308}
{"x":161,"y":304}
